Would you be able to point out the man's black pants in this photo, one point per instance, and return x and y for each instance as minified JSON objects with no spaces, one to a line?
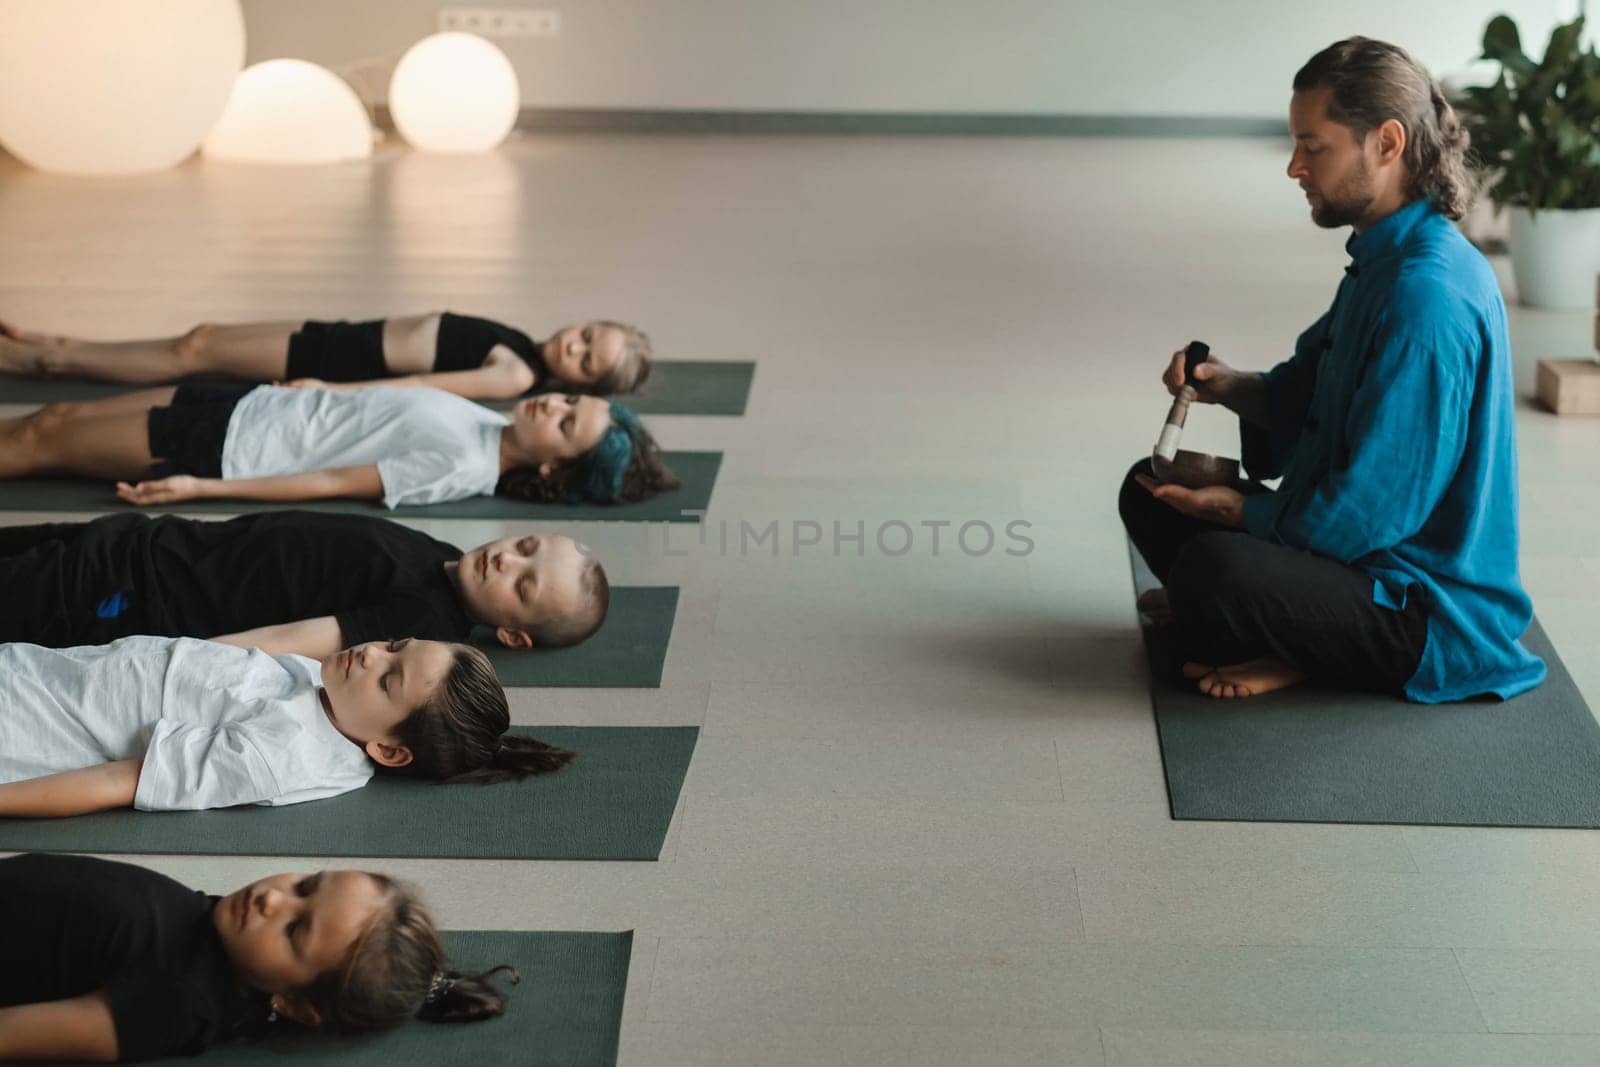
{"x":1236,"y":597}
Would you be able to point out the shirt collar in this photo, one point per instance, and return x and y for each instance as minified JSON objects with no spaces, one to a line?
{"x":1385,"y":239}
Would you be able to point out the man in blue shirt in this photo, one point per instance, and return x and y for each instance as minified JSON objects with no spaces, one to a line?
{"x":1387,"y":557}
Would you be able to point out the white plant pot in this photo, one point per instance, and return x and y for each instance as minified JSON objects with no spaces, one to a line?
{"x":1555,"y":257}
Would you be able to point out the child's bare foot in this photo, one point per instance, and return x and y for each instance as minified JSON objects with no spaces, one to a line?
{"x":23,"y":351}
{"x":1248,"y":679}
{"x":1155,"y":605}
{"x":16,"y":356}
{"x":29,"y":337}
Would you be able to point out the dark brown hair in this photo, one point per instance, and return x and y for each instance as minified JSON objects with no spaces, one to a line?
{"x":396,"y":971}
{"x":646,"y":476}
{"x":459,"y":735}
{"x":580,"y":624}
{"x":1370,"y":82}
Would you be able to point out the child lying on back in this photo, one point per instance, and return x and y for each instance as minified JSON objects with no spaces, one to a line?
{"x":115,"y":962}
{"x":164,"y":723}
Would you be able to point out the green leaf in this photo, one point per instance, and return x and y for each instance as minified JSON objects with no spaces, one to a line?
{"x":1536,"y":131}
{"x":1563,"y":47}
{"x":1502,"y":43}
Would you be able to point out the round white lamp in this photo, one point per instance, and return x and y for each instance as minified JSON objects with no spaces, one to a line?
{"x":454,"y":92}
{"x":114,"y":86}
{"x":290,"y":111}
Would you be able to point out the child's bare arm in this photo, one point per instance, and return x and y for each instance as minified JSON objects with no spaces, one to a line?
{"x":316,"y":638}
{"x":361,"y":482}
{"x":79,"y":792}
{"x":502,"y":376}
{"x":79,"y":1028}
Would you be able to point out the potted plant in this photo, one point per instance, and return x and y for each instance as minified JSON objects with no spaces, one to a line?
{"x":1536,"y":136}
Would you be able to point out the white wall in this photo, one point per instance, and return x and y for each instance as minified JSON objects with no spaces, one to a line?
{"x":1136,"y":57}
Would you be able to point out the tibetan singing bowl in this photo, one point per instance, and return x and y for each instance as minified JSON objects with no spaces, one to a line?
{"x":1196,"y":470}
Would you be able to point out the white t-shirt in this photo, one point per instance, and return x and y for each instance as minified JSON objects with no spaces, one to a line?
{"x":216,"y":725}
{"x":429,"y":445}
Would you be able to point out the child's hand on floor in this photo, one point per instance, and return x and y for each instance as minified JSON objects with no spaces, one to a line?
{"x":162,"y":490}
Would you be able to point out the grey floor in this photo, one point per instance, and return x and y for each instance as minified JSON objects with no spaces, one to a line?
{"x":926,"y":822}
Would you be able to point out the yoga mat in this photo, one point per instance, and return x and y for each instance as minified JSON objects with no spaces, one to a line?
{"x":614,"y":802}
{"x":566,"y":1012}
{"x":627,"y":652}
{"x":687,"y":387}
{"x":1309,"y":754}
{"x":697,"y":471}
{"x":676,"y":387}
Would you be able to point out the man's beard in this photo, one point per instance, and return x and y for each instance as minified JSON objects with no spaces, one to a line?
{"x":1347,"y":204}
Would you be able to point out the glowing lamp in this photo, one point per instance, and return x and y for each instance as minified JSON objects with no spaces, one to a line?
{"x":114,"y":86}
{"x":290,"y":111}
{"x":454,"y":92}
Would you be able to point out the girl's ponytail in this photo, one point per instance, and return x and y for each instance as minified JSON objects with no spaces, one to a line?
{"x":457,"y":997}
{"x":517,"y":758}
{"x":459,"y":735}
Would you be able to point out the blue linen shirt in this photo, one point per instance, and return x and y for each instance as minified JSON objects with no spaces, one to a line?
{"x":1391,"y":426}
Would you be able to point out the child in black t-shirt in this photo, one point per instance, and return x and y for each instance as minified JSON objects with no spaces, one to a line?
{"x":109,"y":961}
{"x":290,"y":581}
{"x":462,"y":354}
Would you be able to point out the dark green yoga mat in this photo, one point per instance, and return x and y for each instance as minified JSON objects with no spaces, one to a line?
{"x":566,"y":1012}
{"x":614,"y":802}
{"x":697,"y":471}
{"x":1306,"y":754}
{"x":628,"y":652}
{"x":676,"y":387}
{"x":688,"y":387}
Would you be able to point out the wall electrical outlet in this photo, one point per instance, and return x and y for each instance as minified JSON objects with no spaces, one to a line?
{"x":501,"y":21}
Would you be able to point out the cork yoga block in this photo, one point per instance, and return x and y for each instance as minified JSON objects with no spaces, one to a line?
{"x":1569,"y":386}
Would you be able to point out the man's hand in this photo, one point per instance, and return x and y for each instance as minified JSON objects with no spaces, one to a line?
{"x":171,"y":490}
{"x":1212,"y":379}
{"x":1216,"y":503}
{"x":311,"y":383}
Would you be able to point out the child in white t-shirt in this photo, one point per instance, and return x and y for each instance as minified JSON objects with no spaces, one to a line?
{"x":161,"y":723}
{"x":400,"y":445}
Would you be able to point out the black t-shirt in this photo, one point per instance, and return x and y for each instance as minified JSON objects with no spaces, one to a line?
{"x":465,"y":342}
{"x":135,"y":574}
{"x":76,"y":924}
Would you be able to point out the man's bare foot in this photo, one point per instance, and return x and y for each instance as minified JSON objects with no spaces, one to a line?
{"x":1155,"y":605}
{"x":1248,"y":679}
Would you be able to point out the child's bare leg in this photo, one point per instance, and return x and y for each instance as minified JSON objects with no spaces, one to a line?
{"x":257,"y":351}
{"x":101,"y":439}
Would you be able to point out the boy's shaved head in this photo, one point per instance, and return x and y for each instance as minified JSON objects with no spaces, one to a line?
{"x":579,"y":624}
{"x":546,"y":590}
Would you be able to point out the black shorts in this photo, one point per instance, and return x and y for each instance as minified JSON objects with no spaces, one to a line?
{"x":186,"y":436}
{"x":338,"y":351}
